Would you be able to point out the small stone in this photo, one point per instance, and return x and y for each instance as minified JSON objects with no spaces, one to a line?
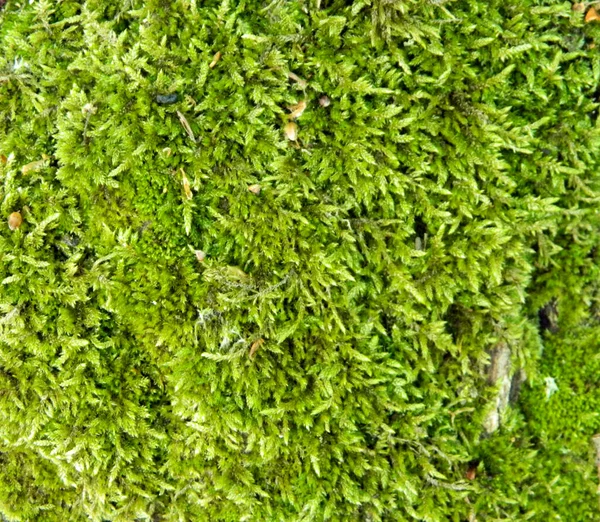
{"x":255,"y":189}
{"x":200,"y":255}
{"x":167,"y":99}
{"x":324,"y":101}
{"x":291,"y":131}
{"x":15,"y":220}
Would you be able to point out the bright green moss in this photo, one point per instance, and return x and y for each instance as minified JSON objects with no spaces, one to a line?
{"x":447,"y":193}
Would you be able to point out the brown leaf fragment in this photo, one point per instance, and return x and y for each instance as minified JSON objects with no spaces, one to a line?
{"x":592,"y":15}
{"x":297,"y":110}
{"x":291,"y":131}
{"x":216,"y":58}
{"x":255,"y":346}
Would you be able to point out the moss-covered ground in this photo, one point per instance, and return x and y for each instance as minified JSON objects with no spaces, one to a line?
{"x":255,"y":256}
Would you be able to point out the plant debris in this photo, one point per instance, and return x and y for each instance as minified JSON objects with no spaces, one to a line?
{"x":215,"y":59}
{"x":291,"y":131}
{"x":592,"y":15}
{"x":186,"y":126}
{"x":15,"y":220}
{"x":255,"y":346}
{"x":297,"y":110}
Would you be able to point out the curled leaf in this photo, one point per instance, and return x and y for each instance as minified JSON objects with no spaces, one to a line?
{"x":255,"y":346}
{"x":216,"y":58}
{"x":15,"y":220}
{"x":186,"y":126}
{"x":297,"y":110}
{"x":291,"y":131}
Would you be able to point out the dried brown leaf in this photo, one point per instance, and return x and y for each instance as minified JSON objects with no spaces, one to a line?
{"x":592,"y":15}
{"x":255,"y":346}
{"x":291,"y":131}
{"x":297,"y":110}
{"x":216,"y":58}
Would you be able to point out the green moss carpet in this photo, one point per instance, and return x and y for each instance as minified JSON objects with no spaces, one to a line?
{"x":256,"y":259}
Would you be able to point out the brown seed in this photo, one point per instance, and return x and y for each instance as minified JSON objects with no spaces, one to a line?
{"x":592,"y":15}
{"x":579,"y":7}
{"x":324,"y":101}
{"x":255,"y":346}
{"x":255,"y":189}
{"x":200,"y":255}
{"x":15,"y":220}
{"x":216,"y":58}
{"x":291,"y":131}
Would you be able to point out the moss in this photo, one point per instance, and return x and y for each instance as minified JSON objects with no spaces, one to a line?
{"x":444,"y":196}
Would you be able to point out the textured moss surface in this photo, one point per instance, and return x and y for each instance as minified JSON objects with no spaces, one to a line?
{"x":176,"y":346}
